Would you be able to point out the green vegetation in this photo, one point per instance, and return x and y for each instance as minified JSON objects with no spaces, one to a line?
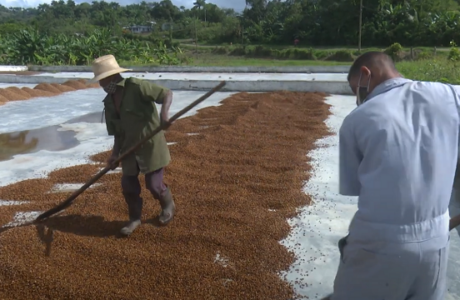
{"x":314,"y":23}
{"x":240,"y":61}
{"x":440,"y":70}
{"x":34,"y":47}
{"x":66,"y":33}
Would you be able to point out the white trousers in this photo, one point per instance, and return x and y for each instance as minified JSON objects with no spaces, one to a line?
{"x":387,"y":271}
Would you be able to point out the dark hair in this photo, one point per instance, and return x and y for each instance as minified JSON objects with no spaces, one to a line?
{"x":369,"y":59}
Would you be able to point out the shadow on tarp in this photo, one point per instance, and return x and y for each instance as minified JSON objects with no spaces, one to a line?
{"x":89,"y":226}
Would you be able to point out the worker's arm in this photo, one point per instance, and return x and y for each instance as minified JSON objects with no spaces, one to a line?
{"x":112,"y":130}
{"x":454,"y":222}
{"x":159,"y":95}
{"x":116,"y":146}
{"x":167,"y":100}
{"x":115,"y":153}
{"x":349,"y":160}
{"x":111,"y":122}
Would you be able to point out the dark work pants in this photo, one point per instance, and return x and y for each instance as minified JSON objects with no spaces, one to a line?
{"x":153,"y":182}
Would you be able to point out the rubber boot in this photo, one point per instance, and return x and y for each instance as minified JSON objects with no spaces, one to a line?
{"x":168,"y":208}
{"x":135,"y":211}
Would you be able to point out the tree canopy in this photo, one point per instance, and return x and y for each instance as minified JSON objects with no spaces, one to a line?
{"x":313,"y":22}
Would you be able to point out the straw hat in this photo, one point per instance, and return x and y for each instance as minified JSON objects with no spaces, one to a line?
{"x":106,"y":66}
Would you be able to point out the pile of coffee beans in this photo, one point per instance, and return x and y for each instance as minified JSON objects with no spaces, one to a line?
{"x":235,"y":181}
{"x":43,"y":90}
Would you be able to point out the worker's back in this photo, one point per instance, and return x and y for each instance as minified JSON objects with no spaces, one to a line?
{"x":408,"y":138}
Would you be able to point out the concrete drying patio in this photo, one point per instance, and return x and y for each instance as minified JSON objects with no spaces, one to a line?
{"x":316,"y":229}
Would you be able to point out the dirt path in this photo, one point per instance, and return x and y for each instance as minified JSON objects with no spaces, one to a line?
{"x":235,"y":183}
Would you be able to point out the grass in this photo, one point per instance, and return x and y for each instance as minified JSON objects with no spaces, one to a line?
{"x":208,"y":60}
{"x":186,"y":44}
{"x":438,"y":69}
{"x":431,"y":69}
{"x":424,"y":66}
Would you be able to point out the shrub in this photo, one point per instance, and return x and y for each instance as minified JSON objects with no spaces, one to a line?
{"x":341,"y":55}
{"x":394,"y":51}
{"x":322,"y":54}
{"x":220,"y":50}
{"x":238,"y":51}
{"x":454,"y":53}
{"x":259,"y":51}
{"x":304,"y":54}
{"x":423,"y":55}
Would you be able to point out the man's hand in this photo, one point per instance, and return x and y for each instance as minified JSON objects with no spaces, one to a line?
{"x":111,"y":162}
{"x":454,"y":222}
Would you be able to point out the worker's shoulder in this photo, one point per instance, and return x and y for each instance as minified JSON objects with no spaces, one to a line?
{"x":370,"y":111}
{"x":135,"y":81}
{"x":357,"y":112}
{"x":352,"y":118}
{"x":429,"y":84}
{"x":435,"y":94}
{"x":143,"y":84}
{"x":431,"y":87}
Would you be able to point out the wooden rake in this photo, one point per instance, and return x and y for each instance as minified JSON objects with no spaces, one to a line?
{"x":96,"y":177}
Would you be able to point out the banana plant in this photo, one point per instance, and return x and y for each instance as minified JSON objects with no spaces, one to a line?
{"x":30,"y":46}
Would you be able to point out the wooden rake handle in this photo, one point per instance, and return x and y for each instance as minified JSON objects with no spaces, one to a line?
{"x":163,"y":126}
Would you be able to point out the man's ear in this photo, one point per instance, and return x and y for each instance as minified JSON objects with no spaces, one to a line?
{"x":365,"y":71}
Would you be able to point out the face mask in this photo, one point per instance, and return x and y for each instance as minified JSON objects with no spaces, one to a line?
{"x":362,"y":91}
{"x":111,"y":87}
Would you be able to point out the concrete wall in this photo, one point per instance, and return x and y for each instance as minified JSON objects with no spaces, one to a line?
{"x":13,"y":68}
{"x":330,"y":87}
{"x":180,"y":69}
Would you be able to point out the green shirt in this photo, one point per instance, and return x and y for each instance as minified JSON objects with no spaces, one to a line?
{"x":138,"y":117}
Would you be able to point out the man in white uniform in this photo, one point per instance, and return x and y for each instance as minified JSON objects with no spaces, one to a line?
{"x":398,"y":154}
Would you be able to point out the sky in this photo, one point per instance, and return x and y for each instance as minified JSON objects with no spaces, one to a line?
{"x":238,"y":5}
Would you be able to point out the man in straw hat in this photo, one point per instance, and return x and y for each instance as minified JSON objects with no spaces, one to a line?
{"x":131,"y":114}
